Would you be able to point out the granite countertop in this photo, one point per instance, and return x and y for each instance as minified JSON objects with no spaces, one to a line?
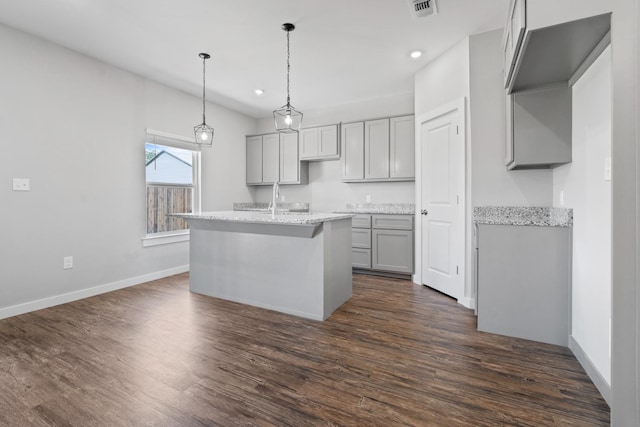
{"x":515,"y":215}
{"x":263,"y":206}
{"x":380,"y":208}
{"x":284,"y":218}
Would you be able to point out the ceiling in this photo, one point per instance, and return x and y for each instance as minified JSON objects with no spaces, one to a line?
{"x":342,"y":51}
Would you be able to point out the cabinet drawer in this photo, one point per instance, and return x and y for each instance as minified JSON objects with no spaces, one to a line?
{"x":361,"y":238}
{"x":393,"y":222}
{"x":361,"y":258}
{"x":361,"y":221}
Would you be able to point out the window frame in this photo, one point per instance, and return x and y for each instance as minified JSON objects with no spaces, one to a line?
{"x":153,"y":136}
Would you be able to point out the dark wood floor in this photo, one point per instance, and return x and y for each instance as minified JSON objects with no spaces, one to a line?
{"x":395,"y":354}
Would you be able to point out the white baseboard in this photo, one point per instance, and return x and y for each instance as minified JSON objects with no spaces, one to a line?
{"x":598,"y":380}
{"x":27,"y":307}
{"x":467,"y":302}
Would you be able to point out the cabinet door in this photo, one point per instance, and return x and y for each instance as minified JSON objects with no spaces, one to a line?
{"x":508,"y":130}
{"x":328,"y":141}
{"x":289,"y":161}
{"x":392,"y":250}
{"x":402,"y":146}
{"x":353,"y":151}
{"x":254,"y":159}
{"x":376,"y":149}
{"x":514,"y":35}
{"x":270,"y":158}
{"x":309,"y":143}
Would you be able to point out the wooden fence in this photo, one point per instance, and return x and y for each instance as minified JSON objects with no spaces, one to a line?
{"x":164,"y":199}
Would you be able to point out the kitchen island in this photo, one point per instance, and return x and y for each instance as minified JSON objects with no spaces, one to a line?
{"x":294,"y":263}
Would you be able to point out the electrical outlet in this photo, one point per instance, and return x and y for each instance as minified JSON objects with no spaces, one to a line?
{"x":21,"y":184}
{"x":282,"y":198}
{"x":368,"y":198}
{"x":561,"y":197}
{"x":67,"y":262}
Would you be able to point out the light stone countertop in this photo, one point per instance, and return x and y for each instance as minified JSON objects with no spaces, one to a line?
{"x":283,"y":218}
{"x":380,"y":208}
{"x":263,"y":206}
{"x":517,"y":215}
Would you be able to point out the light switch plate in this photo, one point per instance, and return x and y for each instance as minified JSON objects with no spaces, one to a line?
{"x":67,"y":262}
{"x":21,"y":184}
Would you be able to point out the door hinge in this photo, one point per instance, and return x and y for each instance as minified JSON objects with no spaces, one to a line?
{"x":458,"y":200}
{"x":457,"y":270}
{"x":457,"y":130}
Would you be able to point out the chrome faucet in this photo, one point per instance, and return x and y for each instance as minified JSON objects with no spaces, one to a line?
{"x":274,"y":197}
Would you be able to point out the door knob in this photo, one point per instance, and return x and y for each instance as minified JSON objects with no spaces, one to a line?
{"x":424,"y":212}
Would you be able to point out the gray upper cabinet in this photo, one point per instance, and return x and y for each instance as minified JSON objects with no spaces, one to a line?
{"x":254,"y":160}
{"x":319,"y":143}
{"x":270,"y":158}
{"x":376,"y":149}
{"x":402,"y":147}
{"x":543,"y":58}
{"x":540,"y":131}
{"x":274,"y":157}
{"x":379,"y":150}
{"x":541,"y":50}
{"x":353,"y":151}
{"x":289,"y":159}
{"x":512,"y":39}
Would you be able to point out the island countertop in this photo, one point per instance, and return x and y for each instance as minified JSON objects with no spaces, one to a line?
{"x":253,"y":217}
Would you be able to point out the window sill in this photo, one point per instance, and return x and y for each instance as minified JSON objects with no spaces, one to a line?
{"x":165,"y":238}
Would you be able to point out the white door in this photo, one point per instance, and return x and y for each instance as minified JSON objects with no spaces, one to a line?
{"x":442,"y":201}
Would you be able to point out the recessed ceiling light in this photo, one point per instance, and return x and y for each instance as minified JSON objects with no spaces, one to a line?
{"x":416,"y":54}
{"x":258,"y":92}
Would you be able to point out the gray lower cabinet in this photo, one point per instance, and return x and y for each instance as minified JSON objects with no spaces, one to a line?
{"x":392,"y":250}
{"x":383,"y":243}
{"x":523,"y":281}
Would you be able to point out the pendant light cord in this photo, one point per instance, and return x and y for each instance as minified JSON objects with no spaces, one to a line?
{"x":288,"y":68}
{"x":204,"y":61}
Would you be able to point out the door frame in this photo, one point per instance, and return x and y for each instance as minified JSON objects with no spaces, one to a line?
{"x":466,"y":299}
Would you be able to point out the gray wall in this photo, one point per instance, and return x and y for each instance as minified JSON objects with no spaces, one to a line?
{"x":492,"y":184}
{"x":625,"y":372}
{"x":325,"y":190}
{"x":76,"y":127}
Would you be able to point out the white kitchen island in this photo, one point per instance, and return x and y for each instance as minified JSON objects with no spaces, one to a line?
{"x":298,"y":264}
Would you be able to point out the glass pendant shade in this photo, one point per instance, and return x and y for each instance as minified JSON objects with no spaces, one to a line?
{"x":287,"y":119}
{"x":203,"y":132}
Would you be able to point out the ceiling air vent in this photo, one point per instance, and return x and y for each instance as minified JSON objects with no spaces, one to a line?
{"x":422,"y":8}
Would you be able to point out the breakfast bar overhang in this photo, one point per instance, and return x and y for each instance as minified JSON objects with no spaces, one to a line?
{"x":298,"y":264}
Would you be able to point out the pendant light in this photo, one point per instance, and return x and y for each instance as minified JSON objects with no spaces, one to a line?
{"x":287,"y":118}
{"x":204,"y":133}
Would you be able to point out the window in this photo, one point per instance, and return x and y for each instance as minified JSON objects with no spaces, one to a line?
{"x":172,"y":185}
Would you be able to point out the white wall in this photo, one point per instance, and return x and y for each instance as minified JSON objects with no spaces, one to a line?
{"x":586,"y":191}
{"x":76,"y":127}
{"x":325,"y":191}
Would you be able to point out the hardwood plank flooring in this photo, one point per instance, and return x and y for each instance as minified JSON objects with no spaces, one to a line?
{"x":394,"y":354}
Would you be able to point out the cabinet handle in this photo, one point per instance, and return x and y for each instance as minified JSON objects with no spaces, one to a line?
{"x":424,"y":212}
